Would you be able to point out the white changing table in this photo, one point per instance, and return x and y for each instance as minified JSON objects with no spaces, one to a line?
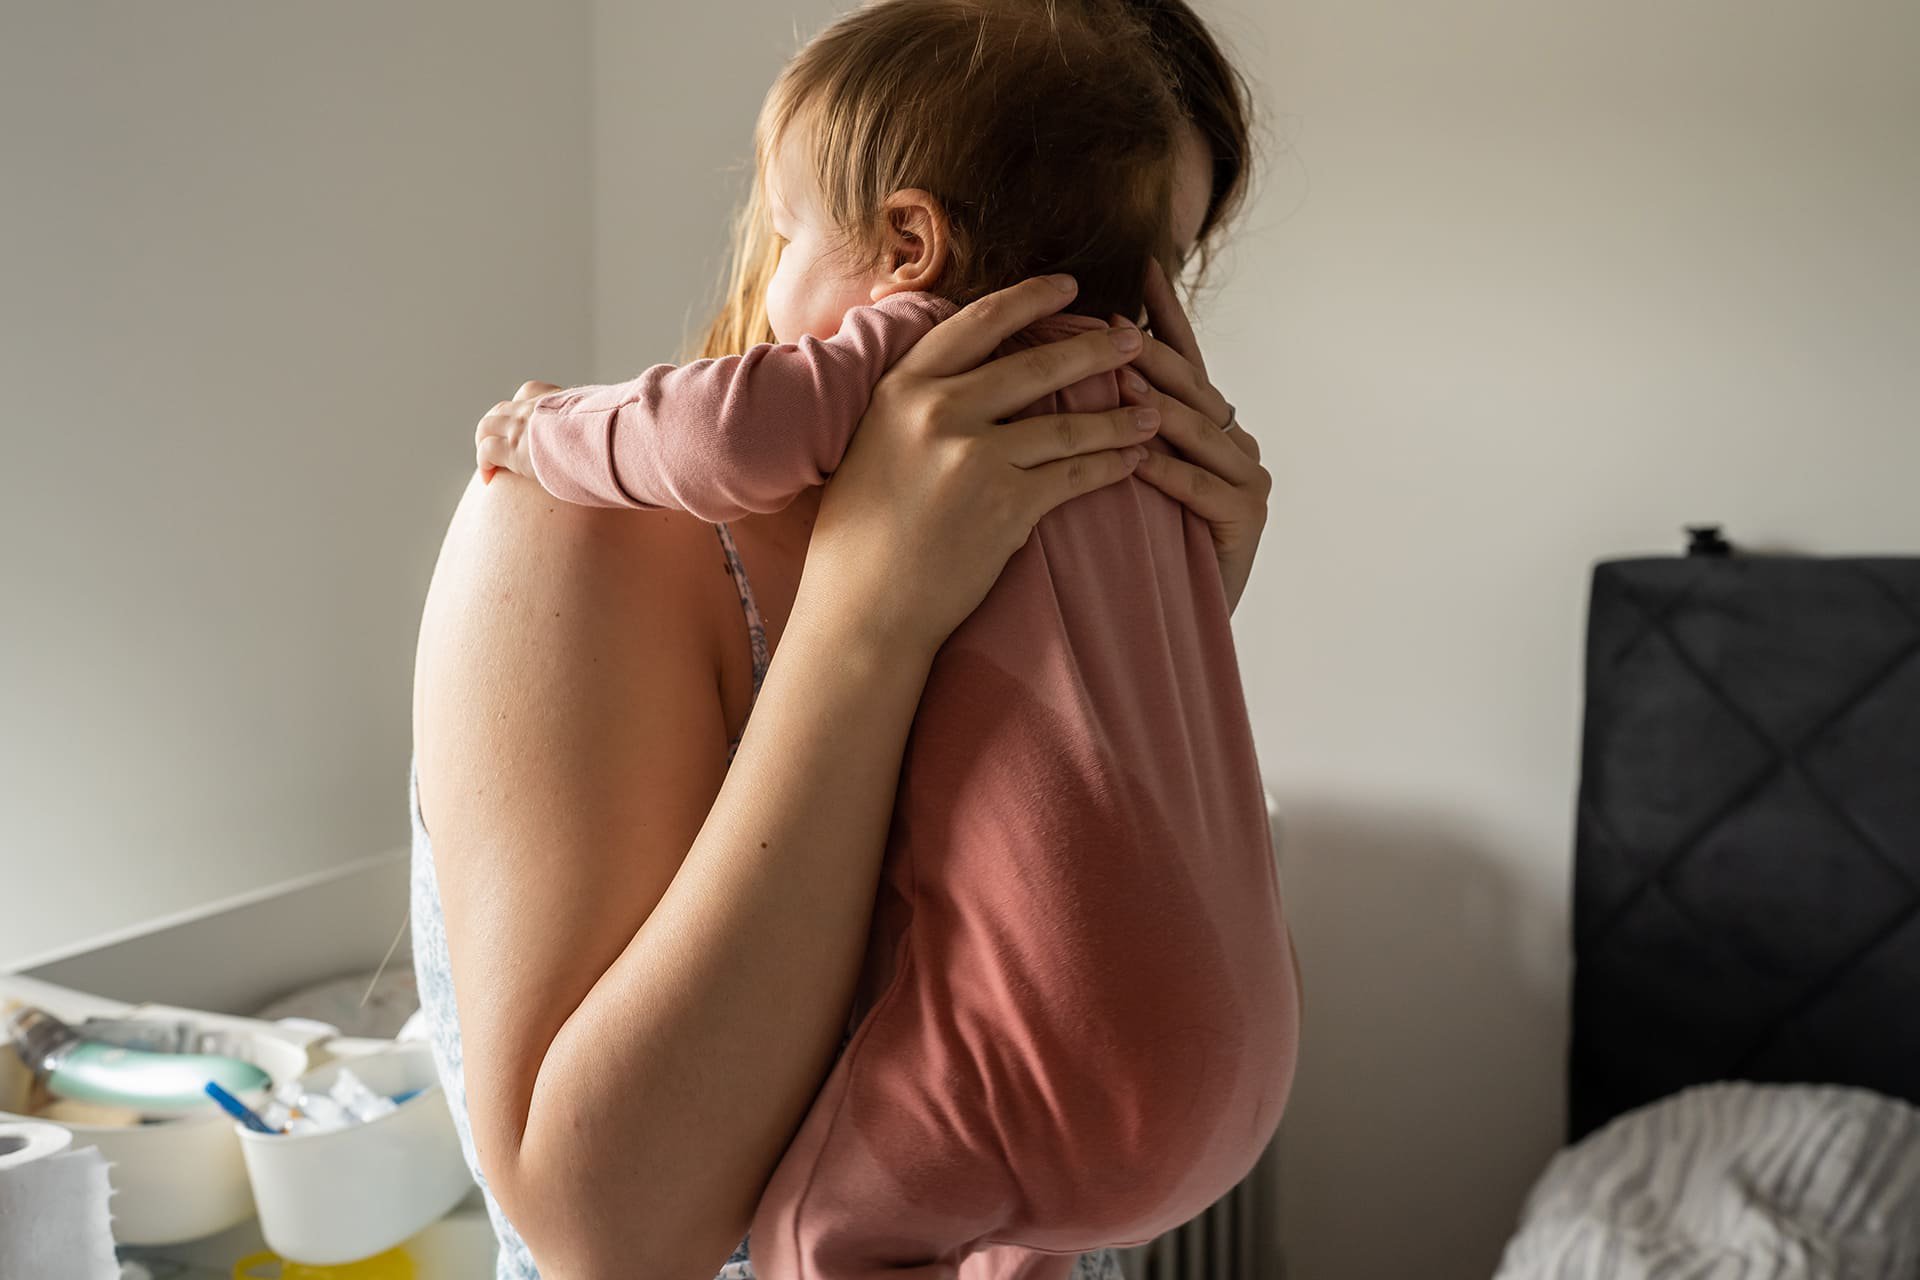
{"x":232,"y":958}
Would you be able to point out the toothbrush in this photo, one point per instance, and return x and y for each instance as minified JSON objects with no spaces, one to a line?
{"x":239,"y":1110}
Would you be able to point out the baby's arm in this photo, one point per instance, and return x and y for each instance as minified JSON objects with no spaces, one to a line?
{"x":720,"y":438}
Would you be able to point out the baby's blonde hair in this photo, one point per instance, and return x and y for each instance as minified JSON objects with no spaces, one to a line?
{"x":1045,"y":129}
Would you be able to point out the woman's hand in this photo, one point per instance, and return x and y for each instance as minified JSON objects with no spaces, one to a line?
{"x":1216,"y":473}
{"x":937,"y":492}
{"x":500,"y":441}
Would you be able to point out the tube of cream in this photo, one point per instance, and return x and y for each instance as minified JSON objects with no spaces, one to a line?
{"x":155,"y":1084}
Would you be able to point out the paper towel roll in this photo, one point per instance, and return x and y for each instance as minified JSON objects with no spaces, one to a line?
{"x":53,"y":1205}
{"x":25,"y":1140}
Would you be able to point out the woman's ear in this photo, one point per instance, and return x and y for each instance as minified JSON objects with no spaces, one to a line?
{"x":914,"y":243}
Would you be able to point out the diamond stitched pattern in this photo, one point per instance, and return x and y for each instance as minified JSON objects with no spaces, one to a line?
{"x":1747,"y":885}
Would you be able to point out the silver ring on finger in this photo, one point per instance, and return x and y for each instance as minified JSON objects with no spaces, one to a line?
{"x":1233,"y":419}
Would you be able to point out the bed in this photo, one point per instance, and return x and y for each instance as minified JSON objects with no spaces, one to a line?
{"x":1745,"y":1049}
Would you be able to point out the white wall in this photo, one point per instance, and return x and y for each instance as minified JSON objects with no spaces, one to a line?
{"x":1537,"y":285}
{"x":1527,"y":286}
{"x":676,"y":90}
{"x":262,"y":267}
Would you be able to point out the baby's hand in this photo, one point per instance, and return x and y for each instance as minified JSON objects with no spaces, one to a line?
{"x":501,"y":438}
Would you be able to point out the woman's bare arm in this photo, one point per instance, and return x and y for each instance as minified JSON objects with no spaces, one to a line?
{"x":654,"y":976}
{"x":640,"y":1048}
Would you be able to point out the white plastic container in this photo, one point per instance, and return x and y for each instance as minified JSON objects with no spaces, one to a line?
{"x":182,"y":1179}
{"x":340,"y":1195}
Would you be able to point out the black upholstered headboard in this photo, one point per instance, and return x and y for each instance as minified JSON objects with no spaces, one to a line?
{"x":1747,"y":866}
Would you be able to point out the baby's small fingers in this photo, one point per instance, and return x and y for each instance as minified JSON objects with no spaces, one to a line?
{"x":489,"y":424}
{"x":495,"y":452}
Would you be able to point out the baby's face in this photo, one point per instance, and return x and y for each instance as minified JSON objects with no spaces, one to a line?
{"x":814,"y":286}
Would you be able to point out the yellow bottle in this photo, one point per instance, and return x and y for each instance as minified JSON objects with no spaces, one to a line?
{"x":394,"y":1264}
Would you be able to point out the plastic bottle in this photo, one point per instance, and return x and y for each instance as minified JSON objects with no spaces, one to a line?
{"x":153,"y":1083}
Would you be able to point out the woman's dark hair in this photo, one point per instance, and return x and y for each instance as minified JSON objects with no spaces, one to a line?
{"x":1214,"y":95}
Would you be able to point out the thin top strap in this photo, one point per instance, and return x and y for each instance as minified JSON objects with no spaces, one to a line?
{"x":756,"y":626}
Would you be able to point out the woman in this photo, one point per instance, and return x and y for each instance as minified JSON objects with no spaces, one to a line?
{"x":652,"y":998}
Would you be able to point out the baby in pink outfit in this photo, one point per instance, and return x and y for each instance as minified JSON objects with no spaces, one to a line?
{"x":1077,"y":1021}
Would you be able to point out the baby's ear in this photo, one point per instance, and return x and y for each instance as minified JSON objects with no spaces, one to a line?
{"x":915,"y":243}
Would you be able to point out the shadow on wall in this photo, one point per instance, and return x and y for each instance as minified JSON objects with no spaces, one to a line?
{"x":1429,"y":1092}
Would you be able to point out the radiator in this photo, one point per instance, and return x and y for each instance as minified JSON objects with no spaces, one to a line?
{"x":1235,"y":1239}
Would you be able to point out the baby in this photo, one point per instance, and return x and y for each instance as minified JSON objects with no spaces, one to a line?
{"x":1076,"y":1023}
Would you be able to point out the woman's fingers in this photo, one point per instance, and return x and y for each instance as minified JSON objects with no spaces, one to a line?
{"x":534,"y":390}
{"x":1169,"y":321}
{"x":1170,"y":369}
{"x":1210,"y":497}
{"x":1007,"y":385}
{"x":1200,"y":441}
{"x":1053,"y":483}
{"x":1175,"y":374}
{"x":1033,"y":442}
{"x":1245,"y":441}
{"x":964,"y":339}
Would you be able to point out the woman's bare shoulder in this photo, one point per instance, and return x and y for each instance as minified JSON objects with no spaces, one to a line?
{"x":511,"y":529}
{"x":544,"y":610}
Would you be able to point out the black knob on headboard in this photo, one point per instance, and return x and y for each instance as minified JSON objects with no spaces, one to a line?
{"x":1705,"y":540}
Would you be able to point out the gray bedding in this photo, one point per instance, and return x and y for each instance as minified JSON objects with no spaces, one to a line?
{"x":1732,"y":1181}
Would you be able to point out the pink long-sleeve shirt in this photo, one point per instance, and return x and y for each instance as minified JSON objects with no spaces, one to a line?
{"x":1076,"y":1021}
{"x":724,"y":437}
